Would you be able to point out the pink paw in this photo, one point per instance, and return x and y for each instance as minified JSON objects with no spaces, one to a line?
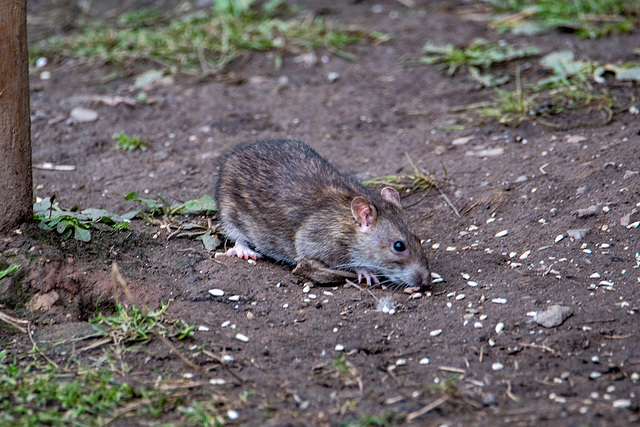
{"x":369,"y":276}
{"x":243,"y":252}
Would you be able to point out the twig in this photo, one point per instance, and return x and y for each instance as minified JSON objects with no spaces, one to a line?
{"x":446,"y":199}
{"x":543,"y":347}
{"x":182,"y":356}
{"x":217,"y":359}
{"x":511,"y":395}
{"x":429,"y":407}
{"x":37,"y":350}
{"x":14,"y":322}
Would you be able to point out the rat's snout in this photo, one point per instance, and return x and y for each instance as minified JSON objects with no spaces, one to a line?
{"x":419,"y":275}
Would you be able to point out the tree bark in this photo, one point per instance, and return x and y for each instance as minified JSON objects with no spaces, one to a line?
{"x":16,"y":180}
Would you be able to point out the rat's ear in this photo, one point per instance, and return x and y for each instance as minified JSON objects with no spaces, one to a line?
{"x":391,"y":195}
{"x":363,"y":212}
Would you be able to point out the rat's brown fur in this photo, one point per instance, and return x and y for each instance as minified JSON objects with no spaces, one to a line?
{"x":285,"y":201}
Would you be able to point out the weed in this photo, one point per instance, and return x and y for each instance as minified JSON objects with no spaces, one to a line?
{"x":416,"y":181}
{"x":479,"y":57}
{"x":50,"y":216}
{"x":447,"y":386}
{"x":9,"y":270}
{"x":134,"y":325}
{"x":587,"y":18}
{"x":387,"y":419}
{"x":129,"y":143}
{"x":205,"y":40}
{"x":340,"y":364}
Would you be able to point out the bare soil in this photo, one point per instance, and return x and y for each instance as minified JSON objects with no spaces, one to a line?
{"x":379,"y":108}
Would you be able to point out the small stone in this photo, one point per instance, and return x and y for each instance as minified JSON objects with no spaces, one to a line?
{"x":83,"y":115}
{"x":553,"y":316}
{"x":578,"y":233}
{"x":216,"y":292}
{"x":497,"y":366}
{"x":591,"y":210}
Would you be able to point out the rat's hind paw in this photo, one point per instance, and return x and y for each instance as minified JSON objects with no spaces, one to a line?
{"x":243,"y":251}
{"x":369,"y":276}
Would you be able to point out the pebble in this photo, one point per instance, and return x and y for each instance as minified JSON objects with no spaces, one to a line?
{"x":591,"y":210}
{"x":216,"y":292}
{"x":578,"y":233}
{"x":497,"y":366}
{"x":553,"y":316}
{"x":242,"y":337}
{"x":83,"y":115}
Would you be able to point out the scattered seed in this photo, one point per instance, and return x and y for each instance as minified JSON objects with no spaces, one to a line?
{"x":499,"y":300}
{"x":525,"y":255}
{"x":499,"y":327}
{"x":490,"y":220}
{"x":285,"y":305}
{"x":424,"y":361}
{"x":225,"y":324}
{"x":401,"y":362}
{"x":595,"y":276}
{"x":306,"y":289}
{"x":460,"y":297}
{"x":621,"y":403}
{"x":497,"y":366}
{"x":242,"y":337}
{"x":606,"y":209}
{"x":251,"y":261}
{"x":492,"y":342}
{"x":234,"y":298}
{"x":512,"y":254}
{"x":605,"y":283}
{"x":435,"y":246}
{"x":451,"y":249}
{"x":558,"y":238}
{"x":227,"y":358}
{"x":605,"y":245}
{"x":477,"y":325}
{"x":216,"y":292}
{"x":595,"y":374}
{"x":502,"y":233}
{"x":435,"y":333}
{"x":473,"y":227}
{"x":465,"y":276}
{"x":416,"y":295}
{"x":472,"y":283}
{"x":203,"y":328}
{"x":313,"y":296}
{"x":232,"y":414}
{"x":217,"y":381}
{"x":339,"y":347}
{"x":187,"y":375}
{"x":328,"y":293}
{"x":595,"y":359}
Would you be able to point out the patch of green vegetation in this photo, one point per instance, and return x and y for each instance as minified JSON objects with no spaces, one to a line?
{"x":206,"y":41}
{"x":416,"y":181}
{"x":9,"y":270}
{"x":199,"y":414}
{"x":204,"y":205}
{"x":129,"y":143}
{"x":36,"y":395}
{"x":478,"y":57}
{"x":447,"y":386}
{"x":387,"y":419}
{"x":132,"y":324}
{"x":340,"y":364}
{"x":50,"y":216}
{"x":587,"y":18}
{"x":569,"y":87}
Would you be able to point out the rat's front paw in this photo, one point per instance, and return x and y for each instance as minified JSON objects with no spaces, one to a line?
{"x":369,"y":276}
{"x":243,"y":251}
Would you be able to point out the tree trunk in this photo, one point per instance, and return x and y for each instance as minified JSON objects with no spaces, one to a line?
{"x":16,"y":181}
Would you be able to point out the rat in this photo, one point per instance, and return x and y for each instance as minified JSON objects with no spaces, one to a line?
{"x":281,"y":199}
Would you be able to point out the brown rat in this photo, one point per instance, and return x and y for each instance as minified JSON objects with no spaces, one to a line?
{"x":281,"y":199}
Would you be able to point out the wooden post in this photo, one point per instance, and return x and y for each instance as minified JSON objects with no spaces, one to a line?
{"x":16,"y":179}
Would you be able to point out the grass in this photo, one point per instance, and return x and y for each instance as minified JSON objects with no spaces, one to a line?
{"x":478,"y":57}
{"x":416,"y":181}
{"x":205,"y":41}
{"x":587,"y":18}
{"x":129,"y":143}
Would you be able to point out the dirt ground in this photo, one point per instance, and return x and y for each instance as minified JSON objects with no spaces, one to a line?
{"x":491,"y":363}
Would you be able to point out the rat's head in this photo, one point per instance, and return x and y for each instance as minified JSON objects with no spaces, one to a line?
{"x":384,"y":243}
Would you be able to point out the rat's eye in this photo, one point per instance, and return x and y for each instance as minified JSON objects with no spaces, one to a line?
{"x":399,"y":246}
